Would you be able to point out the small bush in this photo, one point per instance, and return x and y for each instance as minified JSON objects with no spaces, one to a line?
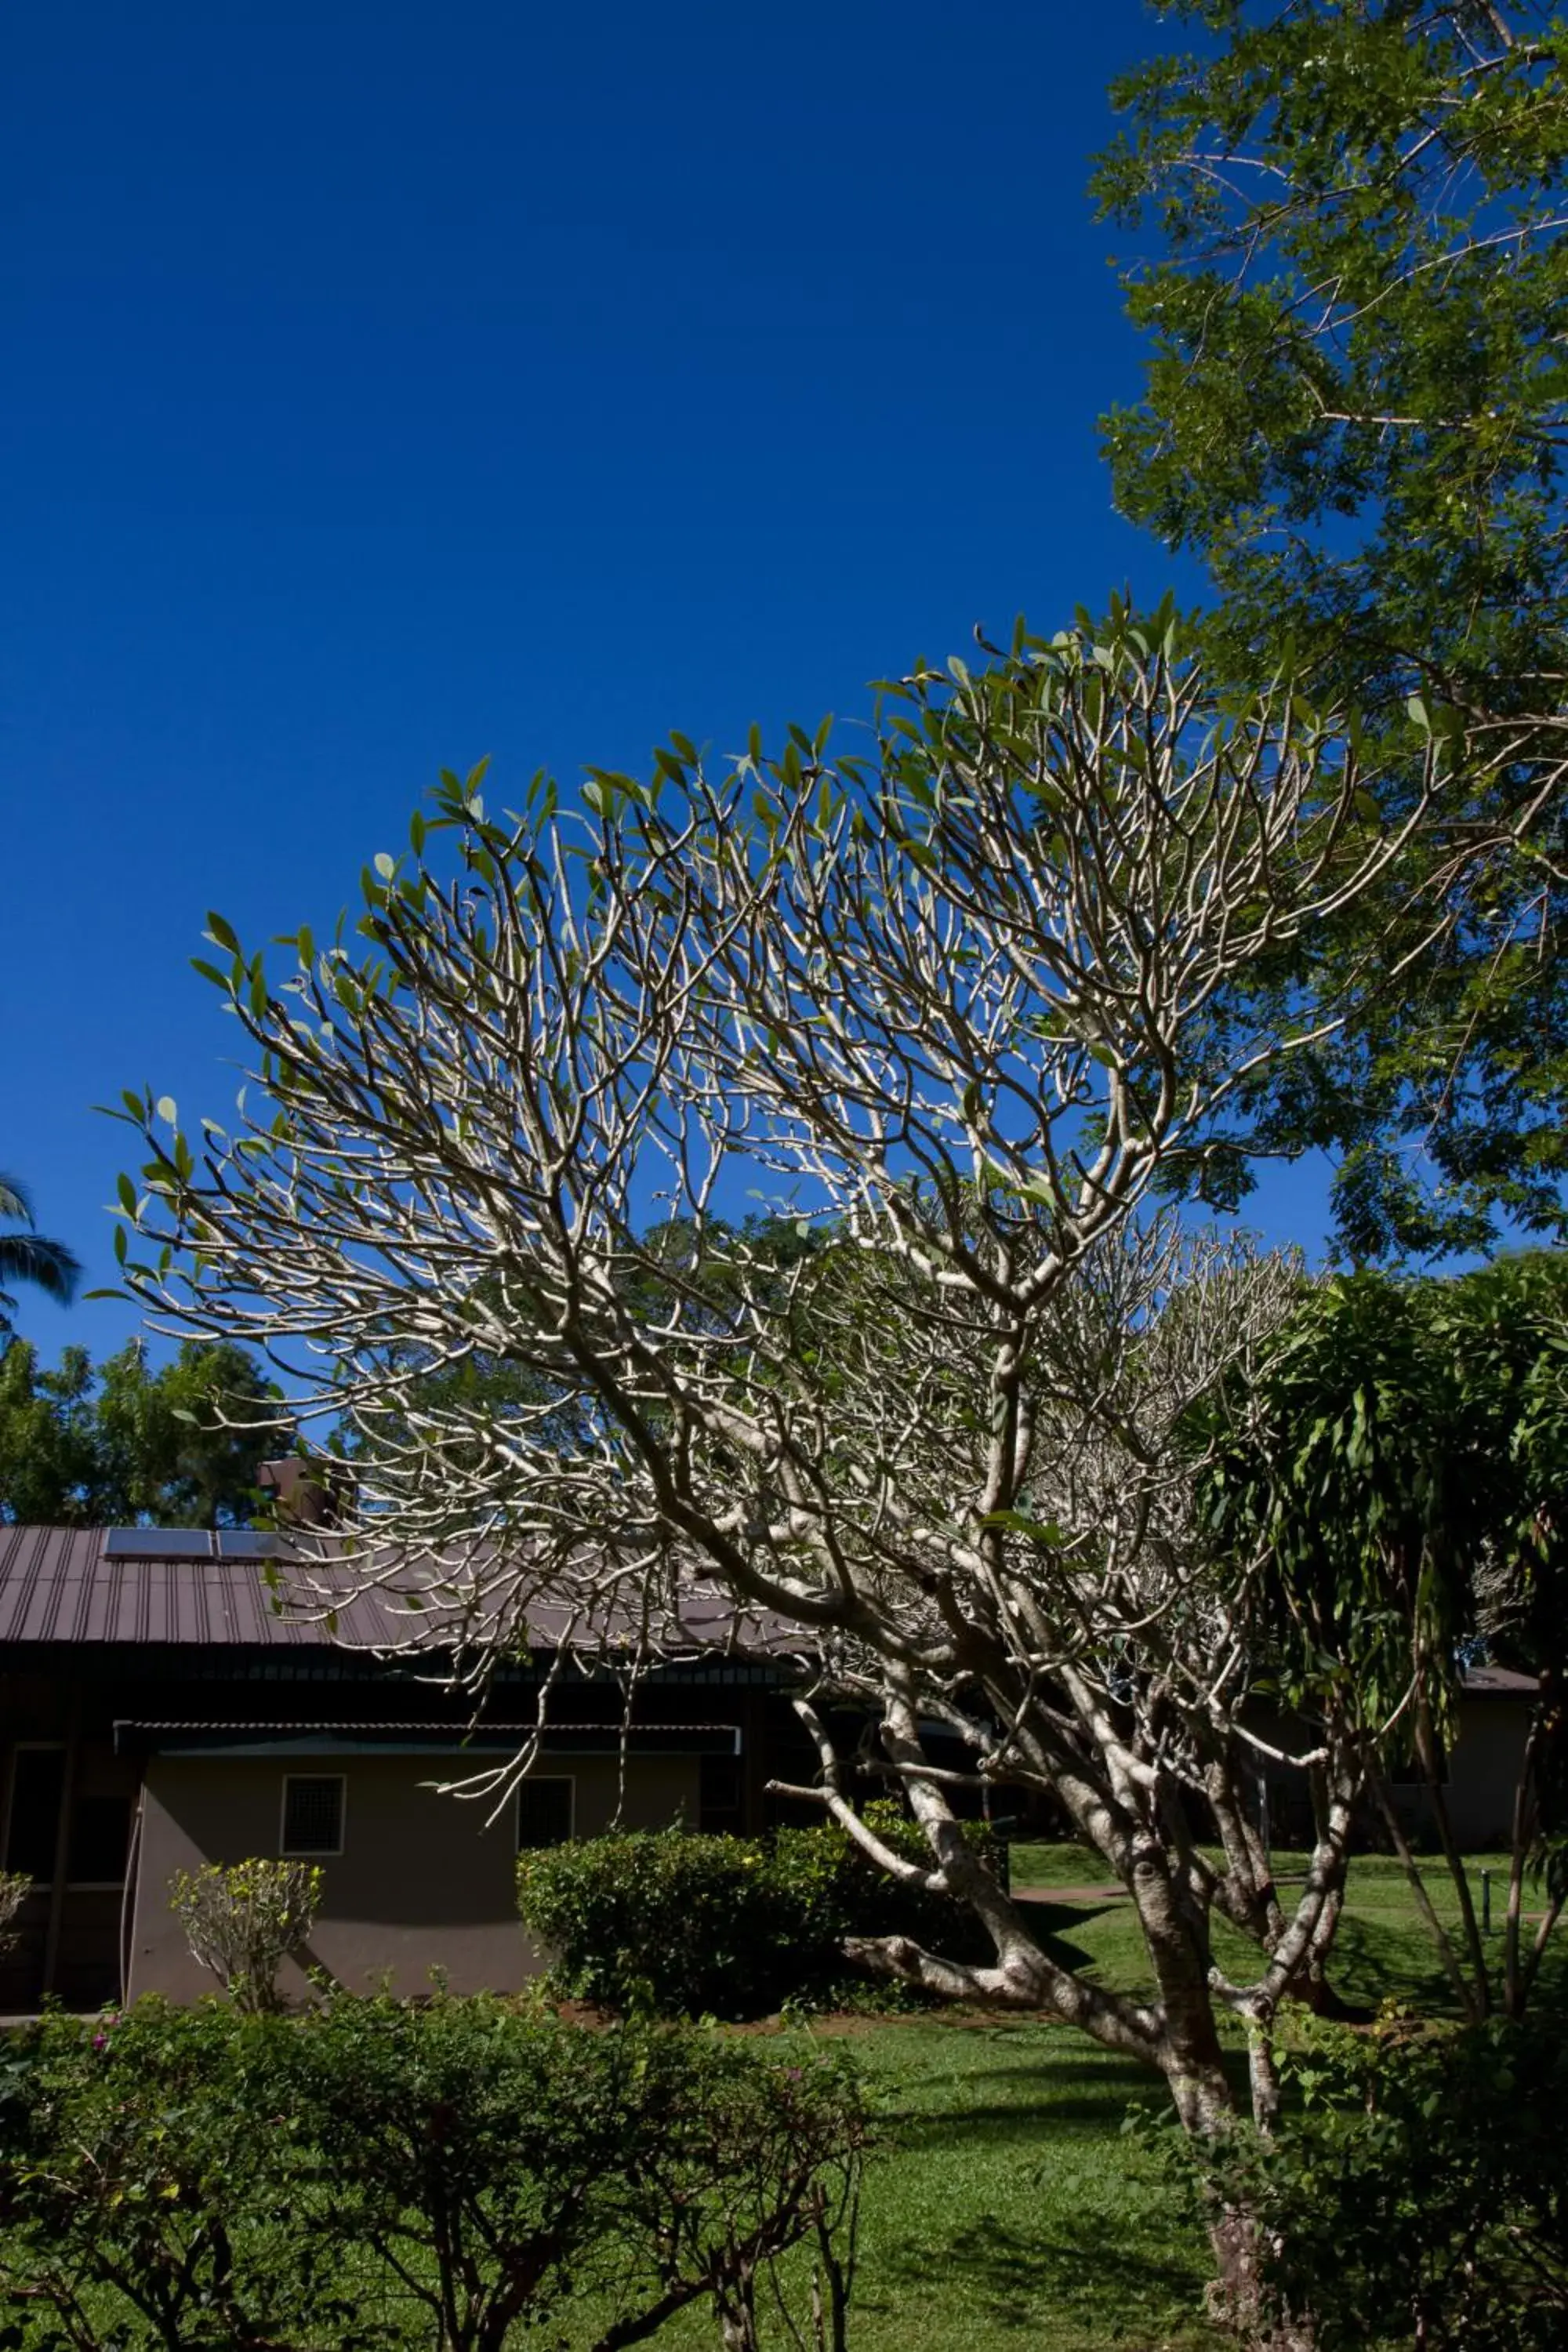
{"x":140,"y":2177}
{"x":502,"y":2164}
{"x":15,"y":1887}
{"x":243,"y":1922}
{"x":1422,"y":2190}
{"x":689,"y":1925}
{"x":371,"y":2175}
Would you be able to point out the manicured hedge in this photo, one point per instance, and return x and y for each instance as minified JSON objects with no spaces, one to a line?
{"x":372,"y":2174}
{"x":689,"y":1925}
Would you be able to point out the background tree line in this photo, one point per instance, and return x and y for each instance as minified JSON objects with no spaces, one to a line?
{"x":125,"y":1443}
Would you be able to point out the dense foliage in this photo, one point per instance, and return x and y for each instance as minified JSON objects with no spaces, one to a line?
{"x":1398,"y":1470}
{"x":15,"y":1888}
{"x":378,"y":2174}
{"x":728,"y":1927}
{"x":1421,"y":2193}
{"x":141,"y":2183}
{"x":124,"y":1444}
{"x":1349,"y":268}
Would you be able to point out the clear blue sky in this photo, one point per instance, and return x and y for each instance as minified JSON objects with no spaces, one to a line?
{"x":392,"y":384}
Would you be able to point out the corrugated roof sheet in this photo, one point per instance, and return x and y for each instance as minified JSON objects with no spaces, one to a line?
{"x":60,"y":1584}
{"x":1498,"y":1682}
{"x":56,"y":1585}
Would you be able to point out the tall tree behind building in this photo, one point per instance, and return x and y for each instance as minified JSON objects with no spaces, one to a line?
{"x":1354,"y":415}
{"x":125,"y":1444}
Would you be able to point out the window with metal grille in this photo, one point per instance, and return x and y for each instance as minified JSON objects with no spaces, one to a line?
{"x":543,"y":1813}
{"x":313,"y":1812}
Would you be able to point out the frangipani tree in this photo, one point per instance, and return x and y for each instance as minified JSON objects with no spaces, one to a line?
{"x":964,"y":1005}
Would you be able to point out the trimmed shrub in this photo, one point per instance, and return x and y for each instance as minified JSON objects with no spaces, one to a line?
{"x":370,"y":2175}
{"x":502,"y":2164}
{"x":691,"y":1925}
{"x":143,"y":2187}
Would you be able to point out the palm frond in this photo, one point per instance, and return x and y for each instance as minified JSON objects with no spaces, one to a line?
{"x":16,"y":1201}
{"x":48,"y":1266}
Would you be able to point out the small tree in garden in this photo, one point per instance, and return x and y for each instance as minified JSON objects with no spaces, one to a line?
{"x":15,"y":1888}
{"x":496,"y":2165}
{"x":1399,"y":1461}
{"x":243,"y":1920}
{"x":964,"y":1007}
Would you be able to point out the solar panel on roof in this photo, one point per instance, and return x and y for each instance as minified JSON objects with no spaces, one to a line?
{"x":157,"y":1543}
{"x":248,"y":1543}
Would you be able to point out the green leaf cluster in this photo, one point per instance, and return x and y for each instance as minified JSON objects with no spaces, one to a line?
{"x":124,"y":1444}
{"x":691,"y":1925}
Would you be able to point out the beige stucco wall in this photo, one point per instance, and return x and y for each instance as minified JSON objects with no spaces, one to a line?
{"x":421,"y":1880}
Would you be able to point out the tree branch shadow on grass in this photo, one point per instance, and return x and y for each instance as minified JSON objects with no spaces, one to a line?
{"x":1371,"y":1962}
{"x":1091,"y":2268}
{"x":1015,"y":2119}
{"x":1045,"y":1920}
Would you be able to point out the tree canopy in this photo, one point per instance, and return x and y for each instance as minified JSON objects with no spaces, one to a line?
{"x":1355,"y":414}
{"x":123,"y":1443}
{"x":962,"y":1006}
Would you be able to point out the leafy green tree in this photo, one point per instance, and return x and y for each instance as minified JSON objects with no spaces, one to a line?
{"x":1399,"y":1467}
{"x":1420,"y":2194}
{"x":178,"y":1446}
{"x":185,"y":1440}
{"x":52,"y":1467}
{"x":28,"y":1256}
{"x":1354,"y":415}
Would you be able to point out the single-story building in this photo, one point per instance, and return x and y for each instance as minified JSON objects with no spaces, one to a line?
{"x":158,"y":1711}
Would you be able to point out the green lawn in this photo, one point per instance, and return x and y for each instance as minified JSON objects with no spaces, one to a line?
{"x":1380,"y":1953}
{"x":1007,"y":2210}
{"x":1010,"y":2210}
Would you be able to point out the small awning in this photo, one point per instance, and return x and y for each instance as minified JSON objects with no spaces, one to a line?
{"x":296,"y":1738}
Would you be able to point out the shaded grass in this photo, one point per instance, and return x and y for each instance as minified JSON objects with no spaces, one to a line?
{"x":1012,"y":2209}
{"x":1007,"y":2208}
{"x":1381,"y":1951}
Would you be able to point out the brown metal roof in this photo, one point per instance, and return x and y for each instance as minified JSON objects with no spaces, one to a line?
{"x":1498,"y":1682}
{"x":58,"y":1584}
